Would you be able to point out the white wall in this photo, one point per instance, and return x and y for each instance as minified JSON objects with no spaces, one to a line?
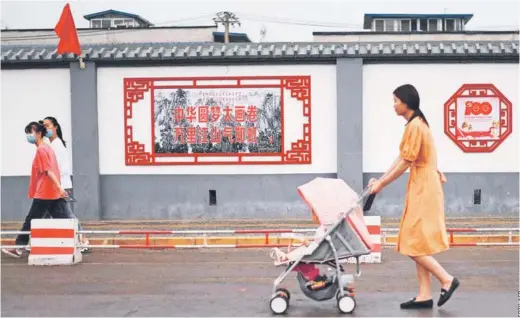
{"x":436,"y":83}
{"x":31,"y":95}
{"x":111,"y":121}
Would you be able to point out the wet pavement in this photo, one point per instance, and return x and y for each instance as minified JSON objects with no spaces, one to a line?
{"x":211,"y":282}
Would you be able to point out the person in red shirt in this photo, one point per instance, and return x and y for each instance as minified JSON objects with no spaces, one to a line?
{"x":44,"y":186}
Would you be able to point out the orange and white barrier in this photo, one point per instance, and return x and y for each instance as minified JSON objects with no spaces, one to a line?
{"x":374,"y":228}
{"x":373,"y":223}
{"x":54,"y":242}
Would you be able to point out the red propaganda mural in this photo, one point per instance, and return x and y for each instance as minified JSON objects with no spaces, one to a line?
{"x":478,"y":118}
{"x":218,"y":120}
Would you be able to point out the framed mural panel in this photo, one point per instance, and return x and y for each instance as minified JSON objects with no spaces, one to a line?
{"x":219,"y":120}
{"x":478,"y":118}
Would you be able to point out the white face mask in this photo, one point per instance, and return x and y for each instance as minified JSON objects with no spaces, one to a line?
{"x":31,"y":138}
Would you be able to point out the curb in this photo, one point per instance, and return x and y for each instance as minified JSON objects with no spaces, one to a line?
{"x":248,"y":240}
{"x":386,"y":222}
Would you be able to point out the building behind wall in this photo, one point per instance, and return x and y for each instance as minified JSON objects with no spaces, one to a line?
{"x":111,"y":19}
{"x":337,"y":119}
{"x":415,"y":27}
{"x":117,"y":27}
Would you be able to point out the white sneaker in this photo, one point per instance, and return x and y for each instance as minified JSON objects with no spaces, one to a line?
{"x":13,"y":252}
{"x":278,"y":256}
{"x":86,"y":248}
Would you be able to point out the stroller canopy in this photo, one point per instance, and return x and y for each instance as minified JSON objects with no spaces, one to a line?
{"x":327,"y":198}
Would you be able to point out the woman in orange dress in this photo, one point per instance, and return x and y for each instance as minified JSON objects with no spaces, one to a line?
{"x":422,"y":231}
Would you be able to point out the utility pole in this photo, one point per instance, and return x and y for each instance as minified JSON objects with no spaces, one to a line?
{"x":263,"y":31}
{"x":226,"y":19}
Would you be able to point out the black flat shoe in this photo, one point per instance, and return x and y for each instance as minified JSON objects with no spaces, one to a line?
{"x":446,"y":294}
{"x":412,"y":304}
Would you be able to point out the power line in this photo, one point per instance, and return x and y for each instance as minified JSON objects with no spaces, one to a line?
{"x":297,"y":22}
{"x":340,"y":25}
{"x":225,"y":18}
{"x":94,"y":32}
{"x":186,"y":19}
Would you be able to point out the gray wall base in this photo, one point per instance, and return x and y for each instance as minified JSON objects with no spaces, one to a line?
{"x":125,"y":197}
{"x":499,"y":195}
{"x":15,"y":203}
{"x":187,"y":196}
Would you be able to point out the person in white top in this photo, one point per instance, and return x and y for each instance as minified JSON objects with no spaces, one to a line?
{"x":55,"y":139}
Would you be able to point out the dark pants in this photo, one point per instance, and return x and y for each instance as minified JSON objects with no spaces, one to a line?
{"x":58,"y":209}
{"x":71,"y":205}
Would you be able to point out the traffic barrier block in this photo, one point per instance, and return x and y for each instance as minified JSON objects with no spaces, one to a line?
{"x":54,"y":242}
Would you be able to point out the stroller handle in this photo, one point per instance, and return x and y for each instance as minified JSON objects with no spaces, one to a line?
{"x":366,"y":192}
{"x":368,"y":204}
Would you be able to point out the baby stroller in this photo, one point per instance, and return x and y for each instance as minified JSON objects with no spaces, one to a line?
{"x":347,"y":236}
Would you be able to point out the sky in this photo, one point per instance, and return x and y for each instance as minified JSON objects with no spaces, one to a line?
{"x":282,"y":20}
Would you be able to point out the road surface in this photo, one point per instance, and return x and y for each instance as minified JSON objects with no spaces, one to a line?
{"x":188,"y":283}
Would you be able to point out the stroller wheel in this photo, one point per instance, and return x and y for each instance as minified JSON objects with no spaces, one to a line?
{"x":346,"y":304}
{"x":347,"y":292}
{"x":284,"y":292}
{"x":279,"y":303}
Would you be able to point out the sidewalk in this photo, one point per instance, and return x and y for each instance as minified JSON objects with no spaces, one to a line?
{"x":257,"y":239}
{"x":478,"y":222}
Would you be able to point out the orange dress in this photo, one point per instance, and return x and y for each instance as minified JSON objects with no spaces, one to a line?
{"x":422,"y":230}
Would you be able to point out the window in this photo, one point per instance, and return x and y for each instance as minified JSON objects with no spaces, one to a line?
{"x":106,"y":23}
{"x":389,"y":25}
{"x":450,"y":25}
{"x":414,"y":25}
{"x":118,"y":22}
{"x":129,"y":22}
{"x":379,"y":25}
{"x":95,"y":24}
{"x":406,"y":25}
{"x":432,"y":25}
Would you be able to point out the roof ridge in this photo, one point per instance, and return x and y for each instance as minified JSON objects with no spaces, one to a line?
{"x":269,"y":50}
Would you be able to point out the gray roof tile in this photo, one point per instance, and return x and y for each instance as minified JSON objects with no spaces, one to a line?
{"x":11,"y":54}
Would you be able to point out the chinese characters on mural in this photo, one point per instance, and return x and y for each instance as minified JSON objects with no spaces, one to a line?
{"x":203,"y":120}
{"x":239,"y":120}
{"x":478,"y":117}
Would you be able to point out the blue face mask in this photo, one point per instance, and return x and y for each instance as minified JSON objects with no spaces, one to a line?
{"x":48,"y":133}
{"x":31,"y":139}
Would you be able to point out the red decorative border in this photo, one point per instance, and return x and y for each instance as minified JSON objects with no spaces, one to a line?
{"x":479,"y":145}
{"x":300,"y":151}
{"x":134,"y":90}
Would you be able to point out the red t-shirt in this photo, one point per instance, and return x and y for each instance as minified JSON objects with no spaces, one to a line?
{"x":41,"y":185}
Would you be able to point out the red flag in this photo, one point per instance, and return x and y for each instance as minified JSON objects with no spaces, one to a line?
{"x":66,"y":31}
